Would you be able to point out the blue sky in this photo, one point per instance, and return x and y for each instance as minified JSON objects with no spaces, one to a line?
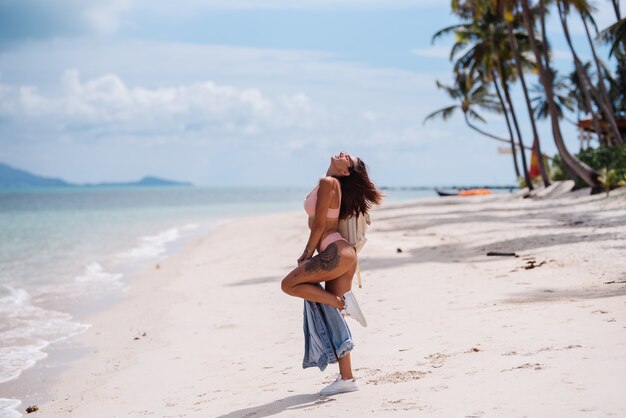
{"x":241,"y":92}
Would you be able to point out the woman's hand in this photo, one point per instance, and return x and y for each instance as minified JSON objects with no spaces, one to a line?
{"x":306,"y":254}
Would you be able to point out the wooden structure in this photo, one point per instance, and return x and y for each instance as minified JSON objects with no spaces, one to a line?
{"x":585,"y":128}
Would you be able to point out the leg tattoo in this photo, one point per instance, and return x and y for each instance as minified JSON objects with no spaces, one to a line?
{"x":326,"y":261}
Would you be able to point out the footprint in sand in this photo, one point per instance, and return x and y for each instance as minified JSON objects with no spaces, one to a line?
{"x":534,"y":366}
{"x":397,"y":377}
{"x":401,"y":405}
{"x":436,"y":359}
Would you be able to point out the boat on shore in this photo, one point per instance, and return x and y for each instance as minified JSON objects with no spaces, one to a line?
{"x":464,"y":192}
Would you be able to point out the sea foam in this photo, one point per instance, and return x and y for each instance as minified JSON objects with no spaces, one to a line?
{"x":26,"y":330}
{"x":156,"y":245}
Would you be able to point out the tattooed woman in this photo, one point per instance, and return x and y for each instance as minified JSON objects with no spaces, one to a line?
{"x":346,"y":190}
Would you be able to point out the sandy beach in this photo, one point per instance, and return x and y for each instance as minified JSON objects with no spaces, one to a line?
{"x":452,"y":331}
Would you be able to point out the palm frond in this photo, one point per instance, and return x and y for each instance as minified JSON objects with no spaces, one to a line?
{"x":472,"y":114}
{"x":446,"y":31}
{"x":614,"y":35}
{"x":445,"y":113}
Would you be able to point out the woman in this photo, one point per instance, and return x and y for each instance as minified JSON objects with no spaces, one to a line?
{"x":345,"y":191}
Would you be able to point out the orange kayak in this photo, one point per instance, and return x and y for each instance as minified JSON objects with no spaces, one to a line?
{"x":474,"y":192}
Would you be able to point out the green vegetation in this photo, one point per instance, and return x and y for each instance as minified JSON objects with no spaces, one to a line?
{"x":611,"y":159}
{"x":499,"y":44}
{"x":609,"y":179}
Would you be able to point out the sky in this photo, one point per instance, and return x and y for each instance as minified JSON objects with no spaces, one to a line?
{"x":244,"y":92}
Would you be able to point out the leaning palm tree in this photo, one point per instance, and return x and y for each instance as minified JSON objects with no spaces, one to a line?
{"x":572,"y":165}
{"x":519,"y":64}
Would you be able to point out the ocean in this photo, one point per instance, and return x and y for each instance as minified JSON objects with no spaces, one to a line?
{"x":63,"y":250}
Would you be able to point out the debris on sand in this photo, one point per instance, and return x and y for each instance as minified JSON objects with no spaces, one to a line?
{"x":31,"y":409}
{"x":531,"y":264}
{"x":500,"y":254}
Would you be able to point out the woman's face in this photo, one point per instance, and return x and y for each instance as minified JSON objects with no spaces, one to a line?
{"x":342,"y":162}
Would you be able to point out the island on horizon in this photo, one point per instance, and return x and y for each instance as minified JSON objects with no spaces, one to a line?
{"x":15,"y":178}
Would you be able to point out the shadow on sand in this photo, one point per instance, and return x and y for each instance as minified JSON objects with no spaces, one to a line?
{"x":290,"y":403}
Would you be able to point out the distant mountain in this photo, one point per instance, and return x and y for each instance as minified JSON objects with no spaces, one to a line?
{"x":11,"y":177}
{"x":146,"y":181}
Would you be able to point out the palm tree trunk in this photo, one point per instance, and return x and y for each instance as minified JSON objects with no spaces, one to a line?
{"x":508,"y":124}
{"x":610,"y":114}
{"x":507,"y":96}
{"x":546,"y":59}
{"x":582,"y":75}
{"x":531,"y":116}
{"x":618,"y":15}
{"x":616,"y":8}
{"x":588,"y":175}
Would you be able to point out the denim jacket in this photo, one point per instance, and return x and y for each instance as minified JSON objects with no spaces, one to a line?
{"x":326,"y":335}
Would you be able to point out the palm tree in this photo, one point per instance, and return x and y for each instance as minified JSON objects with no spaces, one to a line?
{"x":616,"y":9}
{"x":584,"y":10}
{"x":520,"y":72}
{"x":484,"y":51}
{"x":564,"y":97}
{"x":615,"y":35}
{"x":571,"y":164}
{"x":490,"y":49}
{"x":505,"y":111}
{"x":506,"y":74}
{"x":470,"y":93}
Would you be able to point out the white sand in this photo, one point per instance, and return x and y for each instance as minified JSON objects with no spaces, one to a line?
{"x":452,"y":332}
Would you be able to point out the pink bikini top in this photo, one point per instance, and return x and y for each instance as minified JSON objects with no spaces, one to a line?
{"x":311,"y":200}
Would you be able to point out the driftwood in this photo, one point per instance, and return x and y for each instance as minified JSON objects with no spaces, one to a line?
{"x":496,"y":253}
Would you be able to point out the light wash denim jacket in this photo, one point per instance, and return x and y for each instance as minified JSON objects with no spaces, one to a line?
{"x":326,"y":335}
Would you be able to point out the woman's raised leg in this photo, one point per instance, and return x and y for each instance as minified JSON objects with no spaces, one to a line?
{"x":336,"y":260}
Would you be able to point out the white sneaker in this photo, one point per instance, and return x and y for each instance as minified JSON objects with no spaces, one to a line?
{"x":339,"y":386}
{"x":351,"y":308}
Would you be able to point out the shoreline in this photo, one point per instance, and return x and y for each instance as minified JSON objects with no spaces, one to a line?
{"x":34,"y":382}
{"x":221,"y":339}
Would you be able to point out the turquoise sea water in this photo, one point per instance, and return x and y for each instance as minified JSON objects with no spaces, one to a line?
{"x":62,"y":249}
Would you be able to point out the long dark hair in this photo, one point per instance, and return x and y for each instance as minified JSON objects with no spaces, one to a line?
{"x":358,"y":193}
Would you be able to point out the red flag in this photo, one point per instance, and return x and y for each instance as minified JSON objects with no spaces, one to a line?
{"x":534,"y":170}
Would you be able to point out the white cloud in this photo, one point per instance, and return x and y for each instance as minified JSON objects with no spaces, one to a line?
{"x":148,"y":108}
{"x":108,"y":104}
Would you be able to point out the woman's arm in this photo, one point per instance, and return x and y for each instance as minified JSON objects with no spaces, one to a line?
{"x":324,"y":196}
